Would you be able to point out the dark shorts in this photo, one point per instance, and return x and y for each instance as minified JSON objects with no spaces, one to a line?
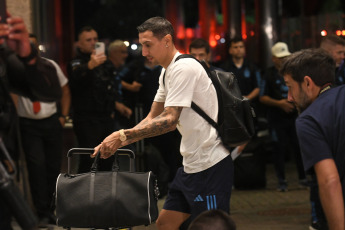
{"x":205,"y":190}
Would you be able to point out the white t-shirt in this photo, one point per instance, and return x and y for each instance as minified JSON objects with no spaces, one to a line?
{"x":187,"y":81}
{"x":25,"y":109}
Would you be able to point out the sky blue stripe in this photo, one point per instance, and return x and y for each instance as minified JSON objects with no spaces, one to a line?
{"x":211,"y":201}
{"x":215,"y":202}
{"x":208,"y":203}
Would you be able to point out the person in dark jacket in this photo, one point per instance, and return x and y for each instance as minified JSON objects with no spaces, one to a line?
{"x":24,"y":74}
{"x":281,"y":116}
{"x":95,"y":95}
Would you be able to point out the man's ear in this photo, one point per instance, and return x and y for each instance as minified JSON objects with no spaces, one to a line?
{"x":208,"y":57}
{"x":167,"y":39}
{"x":308,"y":81}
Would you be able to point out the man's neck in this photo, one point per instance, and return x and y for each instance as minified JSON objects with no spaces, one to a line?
{"x":169,"y":58}
{"x":238,"y":61}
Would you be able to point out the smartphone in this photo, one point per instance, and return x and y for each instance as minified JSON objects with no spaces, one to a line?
{"x":100,"y":47}
{"x":3,"y":13}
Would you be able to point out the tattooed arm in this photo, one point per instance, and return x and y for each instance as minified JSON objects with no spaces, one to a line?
{"x":160,"y":120}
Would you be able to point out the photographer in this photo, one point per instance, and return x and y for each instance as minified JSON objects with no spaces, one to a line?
{"x":21,"y":72}
{"x":95,"y":94}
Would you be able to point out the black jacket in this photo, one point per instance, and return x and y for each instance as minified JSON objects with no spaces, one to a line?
{"x":37,"y":82}
{"x":93,"y":91}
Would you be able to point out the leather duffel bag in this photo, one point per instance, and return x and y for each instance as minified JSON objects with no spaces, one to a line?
{"x":103,"y":199}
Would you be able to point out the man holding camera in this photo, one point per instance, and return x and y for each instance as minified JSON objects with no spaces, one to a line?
{"x":24,"y":74}
{"x":95,"y":96}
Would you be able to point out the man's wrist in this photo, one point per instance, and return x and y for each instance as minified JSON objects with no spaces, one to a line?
{"x":64,"y":117}
{"x":91,"y":65}
{"x":31,"y":56}
{"x":123,"y":136}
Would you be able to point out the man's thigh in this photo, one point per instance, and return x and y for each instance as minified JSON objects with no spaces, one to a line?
{"x":198,"y":192}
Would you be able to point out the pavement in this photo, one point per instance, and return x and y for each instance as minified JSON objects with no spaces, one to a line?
{"x":263,"y":209}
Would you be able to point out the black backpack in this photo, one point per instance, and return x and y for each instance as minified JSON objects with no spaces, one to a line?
{"x":235,"y":116}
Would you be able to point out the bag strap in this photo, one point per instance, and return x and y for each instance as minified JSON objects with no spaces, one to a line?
{"x":194,"y":106}
{"x":115,"y":166}
{"x":202,"y":113}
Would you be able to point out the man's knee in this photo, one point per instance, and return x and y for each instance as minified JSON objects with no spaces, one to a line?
{"x":169,"y":220}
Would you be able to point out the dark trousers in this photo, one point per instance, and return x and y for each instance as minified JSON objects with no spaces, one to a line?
{"x":285,"y":139}
{"x":42,"y":145}
{"x":90,"y":134}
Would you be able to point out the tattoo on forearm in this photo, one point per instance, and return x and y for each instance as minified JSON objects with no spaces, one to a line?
{"x":163,"y":123}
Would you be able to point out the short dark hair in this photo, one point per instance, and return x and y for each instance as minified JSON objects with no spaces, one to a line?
{"x":235,"y":40}
{"x":85,"y":29}
{"x":213,"y":220}
{"x":315,"y":63}
{"x":159,"y":27}
{"x":199,"y":43}
{"x":333,"y":39}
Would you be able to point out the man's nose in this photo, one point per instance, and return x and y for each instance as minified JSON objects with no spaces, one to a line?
{"x":290,"y":98}
{"x":144,"y":52}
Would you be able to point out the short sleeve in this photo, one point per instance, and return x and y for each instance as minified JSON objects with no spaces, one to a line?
{"x":160,"y":95}
{"x":61,"y":76}
{"x":314,"y":147}
{"x":181,"y":84}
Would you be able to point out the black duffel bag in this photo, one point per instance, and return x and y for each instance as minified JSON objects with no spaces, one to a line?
{"x":103,"y":199}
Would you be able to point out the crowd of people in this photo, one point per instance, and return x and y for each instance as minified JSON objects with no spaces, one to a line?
{"x":114,"y":103}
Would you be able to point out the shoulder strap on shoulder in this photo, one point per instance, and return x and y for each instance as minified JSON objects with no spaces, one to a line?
{"x":194,"y":106}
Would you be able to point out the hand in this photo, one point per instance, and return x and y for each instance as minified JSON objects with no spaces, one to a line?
{"x":17,"y":36}
{"x":96,"y":60}
{"x":124,"y":110}
{"x":62,"y":121}
{"x":109,"y":146}
{"x":286,"y":106}
{"x":135,"y":86}
{"x":241,"y":147}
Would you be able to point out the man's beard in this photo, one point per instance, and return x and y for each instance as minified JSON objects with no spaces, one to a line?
{"x":304,"y":102}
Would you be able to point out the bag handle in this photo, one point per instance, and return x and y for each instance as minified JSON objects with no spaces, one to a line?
{"x":115,"y":167}
{"x":94,"y":166}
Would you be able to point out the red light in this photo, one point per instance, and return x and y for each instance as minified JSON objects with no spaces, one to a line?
{"x":189,"y":33}
{"x":252,"y":33}
{"x":323,"y":33}
{"x":217,"y":37}
{"x":213,"y":43}
{"x":338,"y":32}
{"x":180,"y":32}
{"x":244,"y":36}
{"x":343,"y":32}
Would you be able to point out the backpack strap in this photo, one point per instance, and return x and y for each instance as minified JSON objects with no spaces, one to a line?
{"x":194,"y":106}
{"x":202,"y":113}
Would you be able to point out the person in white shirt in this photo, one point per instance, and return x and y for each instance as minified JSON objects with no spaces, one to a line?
{"x":41,"y":128}
{"x":205,"y":180}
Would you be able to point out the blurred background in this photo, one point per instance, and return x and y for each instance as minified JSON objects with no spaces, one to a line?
{"x":261,"y":23}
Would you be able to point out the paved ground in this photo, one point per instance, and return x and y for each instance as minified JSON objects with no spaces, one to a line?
{"x":266,"y":209}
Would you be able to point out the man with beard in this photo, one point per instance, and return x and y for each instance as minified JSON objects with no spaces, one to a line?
{"x":309,"y":75}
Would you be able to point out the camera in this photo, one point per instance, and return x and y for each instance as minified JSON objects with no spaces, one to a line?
{"x":100,"y":47}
